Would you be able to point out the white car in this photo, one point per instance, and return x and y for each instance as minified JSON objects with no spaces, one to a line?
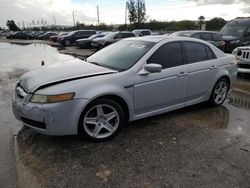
{"x":129,"y":80}
{"x":242,"y":55}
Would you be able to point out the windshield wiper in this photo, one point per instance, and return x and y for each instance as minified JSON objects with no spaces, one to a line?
{"x":95,"y":63}
{"x":107,"y":66}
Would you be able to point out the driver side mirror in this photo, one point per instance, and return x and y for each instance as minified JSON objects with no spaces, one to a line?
{"x":151,"y":68}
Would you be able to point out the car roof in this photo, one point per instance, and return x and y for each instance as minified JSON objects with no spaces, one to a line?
{"x":240,"y":21}
{"x":157,"y":39}
{"x":196,"y":31}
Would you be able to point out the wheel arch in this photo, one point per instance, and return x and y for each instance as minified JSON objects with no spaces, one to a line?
{"x":113,"y":97}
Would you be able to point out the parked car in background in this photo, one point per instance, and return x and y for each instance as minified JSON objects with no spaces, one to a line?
{"x":129,"y":80}
{"x":111,"y":38}
{"x":54,"y":38}
{"x":19,"y":35}
{"x":4,"y":33}
{"x":242,"y":55}
{"x":86,"y":43}
{"x":38,"y":33}
{"x":70,"y":38}
{"x":236,"y":33}
{"x":46,"y":35}
{"x":209,"y":36}
{"x":142,"y":32}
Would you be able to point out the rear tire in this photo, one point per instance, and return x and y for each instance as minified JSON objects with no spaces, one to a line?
{"x":219,"y":92}
{"x":101,"y":120}
{"x":67,"y":42}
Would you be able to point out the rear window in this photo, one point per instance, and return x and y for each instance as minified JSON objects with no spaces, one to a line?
{"x":195,"y":52}
{"x":210,"y":54}
{"x":217,"y":37}
{"x":206,"y":36}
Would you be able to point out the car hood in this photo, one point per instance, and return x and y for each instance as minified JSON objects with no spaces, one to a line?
{"x":60,"y":72}
{"x":83,"y":40}
{"x":98,"y":39}
{"x":229,"y":37}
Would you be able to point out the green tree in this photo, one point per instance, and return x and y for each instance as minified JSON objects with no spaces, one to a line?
{"x":12,"y":25}
{"x":201,"y":21}
{"x":215,"y":24}
{"x":137,"y":12}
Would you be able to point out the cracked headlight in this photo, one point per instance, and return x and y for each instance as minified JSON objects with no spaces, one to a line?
{"x":36,"y":98}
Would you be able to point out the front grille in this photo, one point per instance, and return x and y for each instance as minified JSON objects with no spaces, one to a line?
{"x":33,"y":123}
{"x":244,"y":66}
{"x":245,"y":54}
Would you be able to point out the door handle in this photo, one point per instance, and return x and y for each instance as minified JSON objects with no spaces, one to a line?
{"x":182,"y":74}
{"x":213,"y":67}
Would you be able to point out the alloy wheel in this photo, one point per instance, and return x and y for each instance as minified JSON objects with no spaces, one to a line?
{"x":101,"y":121}
{"x":220,"y":92}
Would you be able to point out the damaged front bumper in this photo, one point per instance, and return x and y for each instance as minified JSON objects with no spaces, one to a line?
{"x":243,"y":66}
{"x":52,"y":119}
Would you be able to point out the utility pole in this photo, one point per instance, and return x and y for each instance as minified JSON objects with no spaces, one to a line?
{"x":23,"y":25}
{"x":54,"y":20}
{"x":98,"y":19}
{"x":73,"y":14}
{"x":126,"y":11}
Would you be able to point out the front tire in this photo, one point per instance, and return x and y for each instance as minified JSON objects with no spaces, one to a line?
{"x":219,"y":93}
{"x":102,"y":120}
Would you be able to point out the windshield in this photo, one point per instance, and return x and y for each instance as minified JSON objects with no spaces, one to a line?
{"x":136,"y":32}
{"x":121,"y":55}
{"x":94,"y":36}
{"x":111,"y":35}
{"x":72,"y":32}
{"x":237,"y":31}
{"x":182,"y":34}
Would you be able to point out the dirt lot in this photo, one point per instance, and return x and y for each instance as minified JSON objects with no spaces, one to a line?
{"x":197,"y":146}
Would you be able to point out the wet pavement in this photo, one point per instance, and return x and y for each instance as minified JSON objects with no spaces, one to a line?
{"x":198,"y":146}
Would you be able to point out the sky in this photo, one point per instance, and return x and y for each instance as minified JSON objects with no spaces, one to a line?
{"x":113,"y":11}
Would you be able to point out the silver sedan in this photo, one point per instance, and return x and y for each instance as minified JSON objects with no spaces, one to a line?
{"x":129,"y":80}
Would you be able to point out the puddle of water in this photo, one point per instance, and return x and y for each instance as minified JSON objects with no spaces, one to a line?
{"x":239,"y":99}
{"x":28,"y":57}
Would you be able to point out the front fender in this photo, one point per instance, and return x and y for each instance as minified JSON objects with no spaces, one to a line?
{"x":126,"y":94}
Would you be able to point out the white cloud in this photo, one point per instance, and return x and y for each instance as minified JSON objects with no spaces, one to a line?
{"x":28,"y":10}
{"x":21,"y":10}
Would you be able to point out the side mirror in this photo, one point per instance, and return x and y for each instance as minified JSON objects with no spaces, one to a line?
{"x":151,"y":68}
{"x":140,"y":34}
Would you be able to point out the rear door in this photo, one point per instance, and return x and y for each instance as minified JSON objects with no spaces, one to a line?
{"x":201,"y":70}
{"x":160,"y":92}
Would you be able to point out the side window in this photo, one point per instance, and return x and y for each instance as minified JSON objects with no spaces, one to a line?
{"x":143,"y":33}
{"x":195,"y":52}
{"x":206,"y":36}
{"x":217,"y":37}
{"x":210,"y":54}
{"x":196,"y":35}
{"x":118,"y":36}
{"x":126,"y":35}
{"x":89,"y":33}
{"x":76,"y":33}
{"x":168,"y":55}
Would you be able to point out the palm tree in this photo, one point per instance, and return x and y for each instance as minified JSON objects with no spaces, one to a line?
{"x":201,"y":21}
